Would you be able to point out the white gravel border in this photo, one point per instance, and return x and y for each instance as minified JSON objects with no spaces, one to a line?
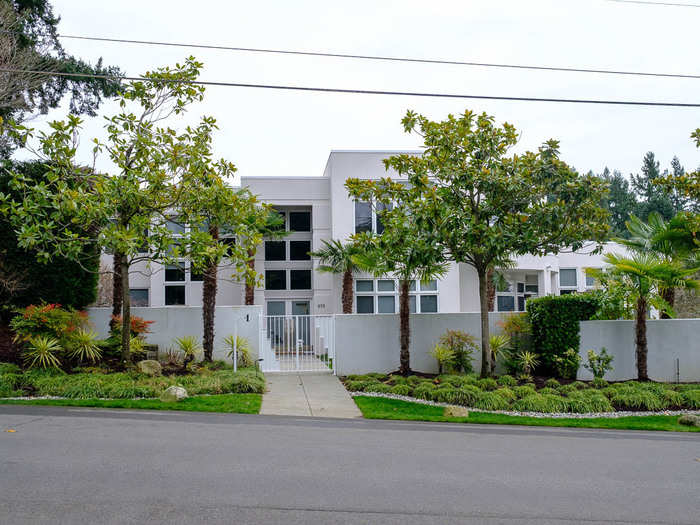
{"x":570,"y":415}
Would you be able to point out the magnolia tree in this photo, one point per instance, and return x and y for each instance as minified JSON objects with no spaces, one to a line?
{"x":158,"y":171}
{"x":483,"y":206}
{"x":406,"y":249}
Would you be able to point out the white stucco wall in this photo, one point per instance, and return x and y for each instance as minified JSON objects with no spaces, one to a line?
{"x":178,"y":321}
{"x":668,"y":340}
{"x":370,"y":343}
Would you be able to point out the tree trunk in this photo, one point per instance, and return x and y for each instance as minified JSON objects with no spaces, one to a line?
{"x":491,"y":290}
{"x":209,"y":302}
{"x":249,"y":287}
{"x":668,"y":295}
{"x":641,"y":339}
{"x":126,"y":313}
{"x":116,"y":288}
{"x":404,"y":329}
{"x":347,"y":292}
{"x":486,"y":357}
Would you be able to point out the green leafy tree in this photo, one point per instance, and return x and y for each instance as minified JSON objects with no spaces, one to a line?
{"x":644,"y":275}
{"x":134,"y":210}
{"x":29,"y":42}
{"x":336,"y":257}
{"x":481,"y":206}
{"x":406,"y":249}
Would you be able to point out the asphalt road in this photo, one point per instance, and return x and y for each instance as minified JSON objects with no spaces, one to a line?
{"x":77,"y":466}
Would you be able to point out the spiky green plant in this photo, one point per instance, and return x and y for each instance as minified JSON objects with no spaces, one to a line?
{"x":499,"y":349}
{"x":444,"y":356}
{"x":190,"y":347}
{"x":527,"y":361}
{"x":42,"y":352}
{"x":83,"y":346}
{"x":241,"y":345}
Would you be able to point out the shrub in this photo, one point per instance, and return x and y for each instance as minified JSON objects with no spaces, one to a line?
{"x":463,"y":346}
{"x":555,"y":324}
{"x":507,"y":394}
{"x":691,"y":399}
{"x":414,"y":380}
{"x":82,"y":346}
{"x":451,"y":380}
{"x":487,"y":383}
{"x":499,"y":345}
{"x":465,"y":396}
{"x":491,"y":401}
{"x":241,"y":345}
{"x":377,"y":387}
{"x":551,"y":383}
{"x":402,"y":390}
{"x":444,"y":394}
{"x":546,"y":403}
{"x":583,"y":401}
{"x":377,"y":376}
{"x":599,"y":364}
{"x":549,"y":390}
{"x":673,"y":399}
{"x":636,"y":399}
{"x":567,"y":364}
{"x":507,"y":380}
{"x":524,"y":391}
{"x":137,"y":325}
{"x":42,"y":352}
{"x":358,"y":385}
{"x":47,"y":320}
{"x":9,"y":368}
{"x":424,"y":391}
{"x":599,"y":382}
{"x":398,"y":380}
{"x":527,"y":361}
{"x":519,"y":332}
{"x":444,"y":356}
{"x":567,"y":389}
{"x":189,"y":347}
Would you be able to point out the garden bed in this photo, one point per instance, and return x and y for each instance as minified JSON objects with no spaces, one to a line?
{"x":507,"y":396}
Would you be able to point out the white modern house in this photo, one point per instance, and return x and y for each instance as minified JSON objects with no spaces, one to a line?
{"x":317,"y":208}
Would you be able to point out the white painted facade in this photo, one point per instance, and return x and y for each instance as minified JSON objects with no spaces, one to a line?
{"x":323,"y":202}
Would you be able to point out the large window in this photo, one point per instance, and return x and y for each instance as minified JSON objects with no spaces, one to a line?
{"x":567,"y":280}
{"x":138,"y":296}
{"x":363,"y":217}
{"x":382,"y":296}
{"x":300,"y":221}
{"x":275,"y":279}
{"x":275,"y":250}
{"x":300,"y":279}
{"x":299,"y":250}
{"x":175,"y":295}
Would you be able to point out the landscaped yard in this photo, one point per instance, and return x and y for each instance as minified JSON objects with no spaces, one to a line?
{"x":382,"y":408}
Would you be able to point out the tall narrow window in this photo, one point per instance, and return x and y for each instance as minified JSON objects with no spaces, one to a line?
{"x":275,"y":250}
{"x":275,"y":280}
{"x":300,"y":221}
{"x":363,"y":217}
{"x":300,"y":279}
{"x":174,"y":295}
{"x":380,"y":208}
{"x":299,"y":250}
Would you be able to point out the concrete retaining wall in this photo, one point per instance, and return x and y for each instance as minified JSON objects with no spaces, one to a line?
{"x":177,"y":321}
{"x":672,"y":343}
{"x":370,"y":343}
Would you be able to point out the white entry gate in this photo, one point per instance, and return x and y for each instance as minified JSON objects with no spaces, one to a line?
{"x":297,"y":343}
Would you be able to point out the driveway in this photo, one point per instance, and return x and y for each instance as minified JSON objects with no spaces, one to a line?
{"x":64,"y":465}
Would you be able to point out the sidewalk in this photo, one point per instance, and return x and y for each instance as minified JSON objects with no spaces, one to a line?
{"x":320,"y":395}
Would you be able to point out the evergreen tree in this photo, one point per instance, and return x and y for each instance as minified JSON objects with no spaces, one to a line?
{"x":652,"y":197}
{"x":620,"y":202}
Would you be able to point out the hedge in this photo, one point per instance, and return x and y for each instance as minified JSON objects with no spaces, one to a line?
{"x":555,"y":327}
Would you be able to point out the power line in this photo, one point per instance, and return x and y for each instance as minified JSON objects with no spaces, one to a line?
{"x":382,"y":58}
{"x":363,"y":91}
{"x":646,"y":2}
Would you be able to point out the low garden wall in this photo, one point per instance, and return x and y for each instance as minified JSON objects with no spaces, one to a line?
{"x":674,"y":348}
{"x":367,"y":343}
{"x":177,"y":321}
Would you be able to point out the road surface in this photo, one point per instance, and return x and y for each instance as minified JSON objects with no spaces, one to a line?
{"x":74,"y":466}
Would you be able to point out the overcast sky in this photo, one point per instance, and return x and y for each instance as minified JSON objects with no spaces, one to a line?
{"x":268,"y":132}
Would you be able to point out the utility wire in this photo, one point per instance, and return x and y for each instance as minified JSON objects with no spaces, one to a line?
{"x":646,"y":2}
{"x":382,"y":58}
{"x":361,"y":91}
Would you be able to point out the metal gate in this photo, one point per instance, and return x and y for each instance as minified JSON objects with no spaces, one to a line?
{"x":297,"y":343}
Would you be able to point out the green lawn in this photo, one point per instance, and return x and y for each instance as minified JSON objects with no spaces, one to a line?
{"x":383,"y":408}
{"x":236,"y":403}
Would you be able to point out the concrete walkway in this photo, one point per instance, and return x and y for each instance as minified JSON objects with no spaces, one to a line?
{"x":320,"y":395}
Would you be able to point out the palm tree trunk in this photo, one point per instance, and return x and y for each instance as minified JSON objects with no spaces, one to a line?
{"x":404,"y":329}
{"x":491,"y":289}
{"x":641,"y":339}
{"x":486,"y":357}
{"x":116,"y":288}
{"x":668,"y":295}
{"x":347,"y":292}
{"x":209,"y":301}
{"x":249,"y":287}
{"x":126,"y":312}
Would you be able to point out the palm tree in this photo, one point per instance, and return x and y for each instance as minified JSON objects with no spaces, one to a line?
{"x":656,"y":236}
{"x":336,"y":257}
{"x":645,"y":276}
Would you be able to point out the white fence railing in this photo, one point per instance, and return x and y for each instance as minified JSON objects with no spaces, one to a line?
{"x":297,"y":343}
